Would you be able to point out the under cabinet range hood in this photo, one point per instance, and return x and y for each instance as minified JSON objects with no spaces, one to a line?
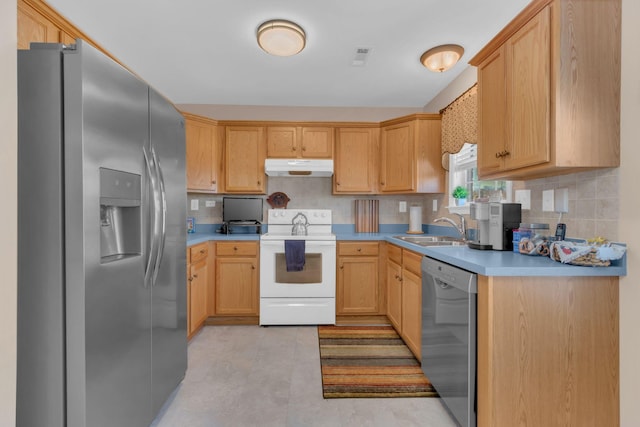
{"x":299,"y":167}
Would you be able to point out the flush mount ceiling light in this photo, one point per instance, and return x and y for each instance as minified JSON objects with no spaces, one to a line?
{"x":441,"y":58}
{"x":281,"y":38}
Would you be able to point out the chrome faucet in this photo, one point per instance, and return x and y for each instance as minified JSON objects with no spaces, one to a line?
{"x":462,"y":228}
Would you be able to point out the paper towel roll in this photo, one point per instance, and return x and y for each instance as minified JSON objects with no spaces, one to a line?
{"x":415,"y":219}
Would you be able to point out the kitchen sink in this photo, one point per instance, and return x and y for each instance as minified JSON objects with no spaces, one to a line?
{"x":432,"y":240}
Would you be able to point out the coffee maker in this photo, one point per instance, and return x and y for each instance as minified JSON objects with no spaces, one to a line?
{"x":480,"y":212}
{"x":503,"y":219}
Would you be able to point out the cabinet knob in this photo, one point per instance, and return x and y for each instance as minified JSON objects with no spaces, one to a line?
{"x":201,"y":251}
{"x":359,"y":249}
{"x":293,"y":148}
{"x":337,"y":183}
{"x":190,"y":279}
{"x":259,"y":182}
{"x":382,"y":183}
{"x":506,"y":153}
{"x":397,"y":277}
{"x":342,"y":267}
{"x":195,"y":276}
{"x":235,"y":248}
{"x":253,"y":267}
{"x":213,"y":182}
{"x":304,"y":148}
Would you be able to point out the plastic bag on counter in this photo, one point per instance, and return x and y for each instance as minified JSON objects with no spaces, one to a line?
{"x":535,"y":245}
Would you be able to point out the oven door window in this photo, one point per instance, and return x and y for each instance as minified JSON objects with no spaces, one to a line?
{"x":311,"y":273}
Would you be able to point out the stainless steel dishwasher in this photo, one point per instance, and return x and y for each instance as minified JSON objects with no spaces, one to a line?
{"x":449,"y":303}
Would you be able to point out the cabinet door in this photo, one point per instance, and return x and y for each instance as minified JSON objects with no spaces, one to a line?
{"x":491,"y":113}
{"x":282,"y":142}
{"x":245,"y":151}
{"x":357,"y":287}
{"x":412,"y":311}
{"x":397,"y":158}
{"x":394,"y":295}
{"x":197,"y":295}
{"x":317,"y":142}
{"x":236,"y":286}
{"x":528,"y":71}
{"x":201,"y":156}
{"x":33,"y":27}
{"x":355,"y":164}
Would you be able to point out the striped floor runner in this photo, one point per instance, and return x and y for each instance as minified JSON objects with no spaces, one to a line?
{"x":369,"y":361}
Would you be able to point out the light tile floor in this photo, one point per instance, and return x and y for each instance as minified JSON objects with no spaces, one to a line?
{"x":257,"y":376}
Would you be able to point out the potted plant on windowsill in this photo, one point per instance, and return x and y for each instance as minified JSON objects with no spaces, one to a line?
{"x":460,"y":194}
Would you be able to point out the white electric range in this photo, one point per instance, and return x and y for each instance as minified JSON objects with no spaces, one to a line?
{"x":305,"y":297}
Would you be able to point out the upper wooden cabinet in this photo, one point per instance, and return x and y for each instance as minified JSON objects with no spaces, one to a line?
{"x":299,"y":142}
{"x":549,"y":91}
{"x":410,"y":158}
{"x":35,"y":27}
{"x":356,"y":161}
{"x":244,"y":155}
{"x":38,"y":22}
{"x":203,"y":154}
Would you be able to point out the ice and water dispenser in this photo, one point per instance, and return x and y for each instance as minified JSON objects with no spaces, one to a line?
{"x":120,"y":218}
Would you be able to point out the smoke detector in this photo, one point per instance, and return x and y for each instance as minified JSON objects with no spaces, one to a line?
{"x":361,"y":56}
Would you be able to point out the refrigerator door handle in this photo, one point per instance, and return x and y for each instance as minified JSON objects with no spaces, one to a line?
{"x":153,"y":246}
{"x":162,"y":229}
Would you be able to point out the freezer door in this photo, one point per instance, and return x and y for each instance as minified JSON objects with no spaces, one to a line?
{"x":41,"y":351}
{"x":108,"y":309}
{"x":168,"y":289}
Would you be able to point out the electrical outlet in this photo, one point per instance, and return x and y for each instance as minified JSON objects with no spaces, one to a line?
{"x":524,"y":198}
{"x":403,"y":207}
{"x":435,"y":205}
{"x":547,"y":201}
{"x":561,"y":200}
{"x":195,"y":205}
{"x":209,"y":203}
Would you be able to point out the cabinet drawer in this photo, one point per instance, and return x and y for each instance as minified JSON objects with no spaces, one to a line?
{"x":198,"y":252}
{"x":412,"y":261}
{"x":357,"y":248}
{"x":236,"y":248}
{"x":394,"y":253}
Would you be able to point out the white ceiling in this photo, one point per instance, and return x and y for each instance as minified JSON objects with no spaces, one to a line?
{"x":205,"y":52}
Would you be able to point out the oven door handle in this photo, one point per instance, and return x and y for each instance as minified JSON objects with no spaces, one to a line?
{"x":308,"y":243}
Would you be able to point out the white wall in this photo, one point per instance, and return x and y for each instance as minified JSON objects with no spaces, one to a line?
{"x":629,"y":210}
{"x":302,"y":114}
{"x":8,"y":212}
{"x":467,"y":78}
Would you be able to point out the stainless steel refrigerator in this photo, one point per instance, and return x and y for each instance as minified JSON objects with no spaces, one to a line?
{"x":102,"y":243}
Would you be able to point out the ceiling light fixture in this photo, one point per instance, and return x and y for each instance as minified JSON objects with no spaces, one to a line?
{"x":441,"y":58}
{"x":281,"y":38}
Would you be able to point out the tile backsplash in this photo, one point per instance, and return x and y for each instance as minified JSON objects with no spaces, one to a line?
{"x":310,"y":193}
{"x":593,"y":202}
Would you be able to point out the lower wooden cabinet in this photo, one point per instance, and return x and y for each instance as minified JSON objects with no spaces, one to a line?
{"x":358,"y":287}
{"x":404,"y":295}
{"x":197,"y":279}
{"x":412,"y":301}
{"x":394,"y":294}
{"x":237,"y":291}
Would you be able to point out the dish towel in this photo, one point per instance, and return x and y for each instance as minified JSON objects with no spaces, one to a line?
{"x":294,"y":254}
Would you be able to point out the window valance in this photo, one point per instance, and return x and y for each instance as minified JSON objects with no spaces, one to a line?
{"x":459,"y":123}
